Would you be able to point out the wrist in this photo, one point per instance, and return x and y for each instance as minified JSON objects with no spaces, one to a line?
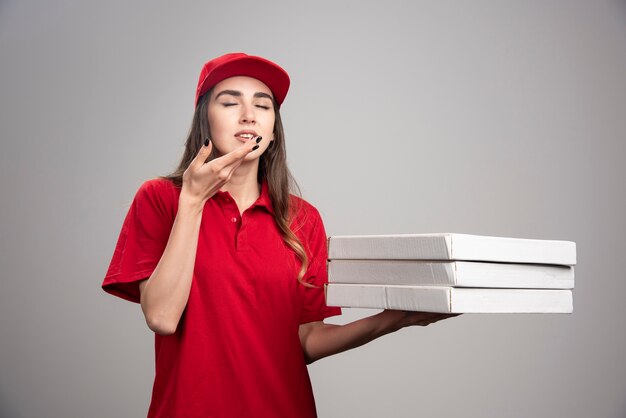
{"x":389,"y":321}
{"x":189,"y":205}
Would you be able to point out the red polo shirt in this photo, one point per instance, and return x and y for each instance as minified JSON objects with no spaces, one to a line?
{"x":236,"y":351}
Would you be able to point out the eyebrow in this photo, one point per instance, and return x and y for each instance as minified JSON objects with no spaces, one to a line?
{"x":237,"y":93}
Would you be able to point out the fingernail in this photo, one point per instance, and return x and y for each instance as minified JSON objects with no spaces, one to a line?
{"x":258,"y":139}
{"x":206,"y":142}
{"x":255,"y":147}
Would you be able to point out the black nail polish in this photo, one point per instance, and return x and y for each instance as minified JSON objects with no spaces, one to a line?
{"x":206,"y":142}
{"x":259,"y":139}
{"x":255,"y":147}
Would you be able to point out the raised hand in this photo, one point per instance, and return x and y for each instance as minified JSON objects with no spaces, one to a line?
{"x":203,"y":179}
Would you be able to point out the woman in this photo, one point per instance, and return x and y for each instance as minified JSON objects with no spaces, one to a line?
{"x":229,"y":267}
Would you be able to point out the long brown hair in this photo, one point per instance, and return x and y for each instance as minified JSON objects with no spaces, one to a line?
{"x":272,"y":168}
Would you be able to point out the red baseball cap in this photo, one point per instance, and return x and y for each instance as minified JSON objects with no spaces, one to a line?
{"x":240,"y":64}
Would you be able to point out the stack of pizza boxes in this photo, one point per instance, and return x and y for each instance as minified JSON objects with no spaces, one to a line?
{"x":451,"y":273}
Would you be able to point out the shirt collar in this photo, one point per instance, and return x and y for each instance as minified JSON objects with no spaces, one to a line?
{"x":264,"y":199}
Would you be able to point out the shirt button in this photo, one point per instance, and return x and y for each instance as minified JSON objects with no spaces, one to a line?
{"x":233,"y":219}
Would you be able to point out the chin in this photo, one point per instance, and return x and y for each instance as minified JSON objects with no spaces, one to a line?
{"x":254,"y":155}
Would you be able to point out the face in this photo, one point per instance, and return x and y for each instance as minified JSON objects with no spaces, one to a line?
{"x":240,"y":108}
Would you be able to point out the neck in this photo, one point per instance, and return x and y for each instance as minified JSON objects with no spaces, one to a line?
{"x":243,"y":185}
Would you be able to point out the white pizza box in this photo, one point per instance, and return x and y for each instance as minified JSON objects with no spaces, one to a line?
{"x":451,"y":273}
{"x":450,"y":246}
{"x":446,"y":299}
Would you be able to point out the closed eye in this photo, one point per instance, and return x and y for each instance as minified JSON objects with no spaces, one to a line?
{"x":263,"y":107}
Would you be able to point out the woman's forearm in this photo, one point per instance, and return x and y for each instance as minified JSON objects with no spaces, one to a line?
{"x":164,"y":295}
{"x":320,"y":340}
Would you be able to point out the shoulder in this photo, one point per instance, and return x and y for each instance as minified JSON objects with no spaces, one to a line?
{"x":306,"y":218}
{"x":159,"y":188}
{"x":159,"y":193}
{"x":304,"y":209}
{"x":157,"y":185}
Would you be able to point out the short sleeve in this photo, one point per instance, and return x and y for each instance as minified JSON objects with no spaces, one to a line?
{"x":314,"y":306}
{"x":142,"y":240}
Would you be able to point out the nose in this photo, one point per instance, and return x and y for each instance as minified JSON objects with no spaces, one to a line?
{"x":247,"y":114}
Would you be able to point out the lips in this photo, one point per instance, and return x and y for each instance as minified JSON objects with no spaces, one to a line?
{"x":245,"y":135}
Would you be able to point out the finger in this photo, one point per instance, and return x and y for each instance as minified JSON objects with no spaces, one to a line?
{"x":237,"y":156}
{"x":203,"y":153}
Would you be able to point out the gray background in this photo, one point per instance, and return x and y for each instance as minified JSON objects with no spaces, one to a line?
{"x":484,"y":117}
